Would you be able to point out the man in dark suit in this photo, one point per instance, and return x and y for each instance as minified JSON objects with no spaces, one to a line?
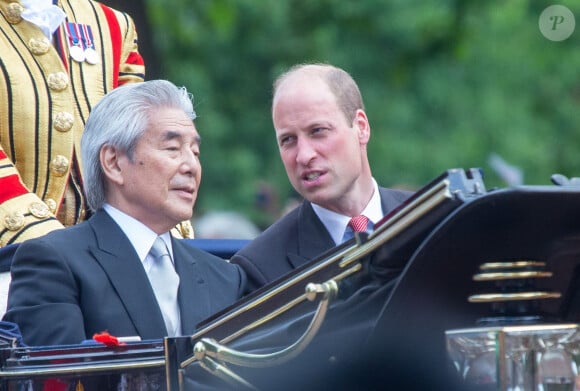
{"x":140,"y":153}
{"x":322,"y":132}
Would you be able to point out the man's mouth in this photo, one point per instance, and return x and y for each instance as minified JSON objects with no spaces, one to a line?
{"x":185,"y":189}
{"x":312,"y":176}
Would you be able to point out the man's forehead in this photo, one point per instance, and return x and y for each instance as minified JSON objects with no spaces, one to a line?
{"x":301,"y":80}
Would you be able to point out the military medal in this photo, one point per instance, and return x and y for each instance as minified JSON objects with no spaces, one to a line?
{"x":77,"y":53}
{"x":75,"y":44}
{"x":91,"y":55}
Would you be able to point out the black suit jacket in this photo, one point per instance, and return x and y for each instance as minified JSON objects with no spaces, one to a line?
{"x":72,"y":283}
{"x":293,"y":240}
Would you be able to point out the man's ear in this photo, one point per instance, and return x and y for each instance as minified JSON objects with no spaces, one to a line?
{"x":110,"y":157}
{"x":361,"y":123}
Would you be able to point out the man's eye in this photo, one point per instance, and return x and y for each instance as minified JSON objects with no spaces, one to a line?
{"x":172,"y":147}
{"x":285,"y":140}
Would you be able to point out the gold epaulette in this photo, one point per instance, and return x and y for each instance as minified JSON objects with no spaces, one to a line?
{"x":25,"y":217}
{"x":183,"y":230}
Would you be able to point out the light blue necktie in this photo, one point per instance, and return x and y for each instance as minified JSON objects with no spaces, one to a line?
{"x":165,"y":283}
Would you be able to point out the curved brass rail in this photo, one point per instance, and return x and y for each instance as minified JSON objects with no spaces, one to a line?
{"x":226,"y":374}
{"x":208,"y":347}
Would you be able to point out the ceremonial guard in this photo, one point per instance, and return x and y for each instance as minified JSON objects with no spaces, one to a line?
{"x":57,"y":59}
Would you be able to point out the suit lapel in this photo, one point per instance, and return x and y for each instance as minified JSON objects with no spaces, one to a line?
{"x":119,"y":260}
{"x":194,"y":300}
{"x":386,"y":200}
{"x":390,"y":199}
{"x":313,"y":238}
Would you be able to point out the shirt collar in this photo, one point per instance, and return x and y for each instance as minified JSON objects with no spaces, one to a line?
{"x":336,"y":223}
{"x":140,"y":236}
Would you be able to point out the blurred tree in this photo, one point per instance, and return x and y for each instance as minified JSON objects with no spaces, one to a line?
{"x":447,"y":83}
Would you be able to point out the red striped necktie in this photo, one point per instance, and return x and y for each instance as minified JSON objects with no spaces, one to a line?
{"x":359,"y":223}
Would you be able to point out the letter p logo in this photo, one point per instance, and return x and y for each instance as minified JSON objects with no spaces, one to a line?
{"x":557,"y":23}
{"x":556,"y":20}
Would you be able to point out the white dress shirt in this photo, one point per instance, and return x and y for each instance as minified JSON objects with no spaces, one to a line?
{"x":336,"y":223}
{"x":140,"y":236}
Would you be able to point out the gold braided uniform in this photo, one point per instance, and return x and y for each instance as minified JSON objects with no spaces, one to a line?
{"x":45,"y":99}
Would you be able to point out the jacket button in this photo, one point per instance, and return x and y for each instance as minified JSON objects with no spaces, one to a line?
{"x":57,"y":81}
{"x":39,"y":210}
{"x":14,"y":13}
{"x":39,"y":46}
{"x":14,"y":221}
{"x":63,"y":121}
{"x":59,"y":165}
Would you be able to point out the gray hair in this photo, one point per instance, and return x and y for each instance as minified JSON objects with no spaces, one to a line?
{"x":341,"y":84}
{"x":120,"y":119}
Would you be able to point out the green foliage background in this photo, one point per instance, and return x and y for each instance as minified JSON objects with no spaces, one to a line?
{"x":446,"y":84}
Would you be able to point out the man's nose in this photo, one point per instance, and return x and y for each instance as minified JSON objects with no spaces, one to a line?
{"x":190,"y":162}
{"x":305,"y":151}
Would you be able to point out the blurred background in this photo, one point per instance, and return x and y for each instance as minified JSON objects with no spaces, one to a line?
{"x":446,"y":83}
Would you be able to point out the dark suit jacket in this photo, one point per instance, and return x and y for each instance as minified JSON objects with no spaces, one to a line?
{"x":294,"y":240}
{"x":72,"y":283}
